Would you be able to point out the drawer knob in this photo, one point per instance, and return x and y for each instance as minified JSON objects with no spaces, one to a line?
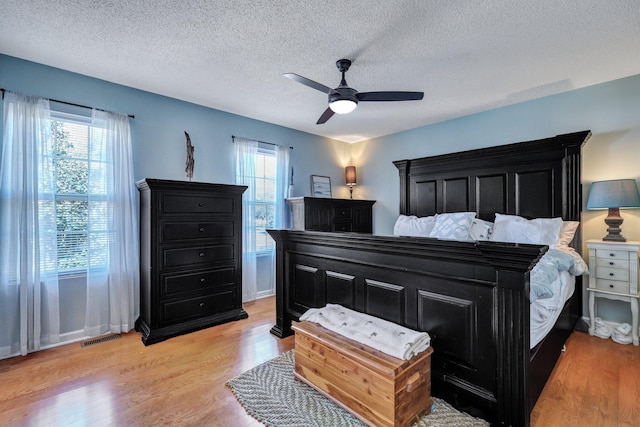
{"x":201,"y":304}
{"x":612,"y":255}
{"x":201,"y":205}
{"x":611,"y":274}
{"x":201,"y":229}
{"x":610,"y":285}
{"x":611,"y":263}
{"x":201,"y":254}
{"x":203,"y":279}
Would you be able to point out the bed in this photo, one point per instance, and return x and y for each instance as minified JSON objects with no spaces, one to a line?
{"x":472,"y":297}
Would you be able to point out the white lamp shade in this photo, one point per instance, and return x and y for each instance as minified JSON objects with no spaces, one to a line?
{"x":343,"y":106}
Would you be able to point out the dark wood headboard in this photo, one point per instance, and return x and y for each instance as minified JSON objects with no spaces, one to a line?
{"x":533,"y":179}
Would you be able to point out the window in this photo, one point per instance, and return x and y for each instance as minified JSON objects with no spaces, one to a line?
{"x":265,"y":198}
{"x":80,"y":195}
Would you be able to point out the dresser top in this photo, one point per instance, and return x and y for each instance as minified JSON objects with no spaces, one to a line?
{"x":154,"y":183}
{"x":629,"y":245}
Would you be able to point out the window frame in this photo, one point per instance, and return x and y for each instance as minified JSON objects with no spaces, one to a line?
{"x":265,"y":151}
{"x":88,"y":198}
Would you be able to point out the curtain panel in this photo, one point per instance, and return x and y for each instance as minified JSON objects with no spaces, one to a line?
{"x":245,"y":164}
{"x":29,"y":276}
{"x":28,"y":259}
{"x":113,"y":292}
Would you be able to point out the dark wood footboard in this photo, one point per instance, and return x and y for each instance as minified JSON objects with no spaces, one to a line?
{"x":471,"y":297}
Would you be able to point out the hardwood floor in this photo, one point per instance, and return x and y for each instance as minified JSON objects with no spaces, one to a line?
{"x":180,"y":382}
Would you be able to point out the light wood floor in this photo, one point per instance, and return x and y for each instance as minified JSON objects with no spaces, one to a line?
{"x":181,"y":381}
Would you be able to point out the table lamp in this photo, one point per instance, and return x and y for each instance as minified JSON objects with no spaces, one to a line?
{"x":613,"y":195}
{"x":350,"y":178}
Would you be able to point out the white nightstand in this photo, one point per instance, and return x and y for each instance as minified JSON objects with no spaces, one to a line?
{"x":613,"y":268}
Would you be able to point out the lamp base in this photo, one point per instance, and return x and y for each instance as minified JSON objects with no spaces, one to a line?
{"x":351,"y":192}
{"x":614,"y":221}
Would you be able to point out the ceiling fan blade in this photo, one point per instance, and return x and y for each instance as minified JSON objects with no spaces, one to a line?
{"x":305,"y":81}
{"x":390,"y":96}
{"x":325,"y":116}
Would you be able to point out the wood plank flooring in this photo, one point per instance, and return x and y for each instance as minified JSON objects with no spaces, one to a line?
{"x":180,"y":382}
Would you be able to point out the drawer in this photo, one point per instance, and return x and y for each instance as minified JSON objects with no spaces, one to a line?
{"x":195,"y":230}
{"x":196,"y":204}
{"x":612,"y":286}
{"x":200,"y":306}
{"x":342,"y":213}
{"x":612,"y":273}
{"x":612,"y":262}
{"x":194,"y":256}
{"x":342,"y":226}
{"x":200,"y":281}
{"x":607,"y":254}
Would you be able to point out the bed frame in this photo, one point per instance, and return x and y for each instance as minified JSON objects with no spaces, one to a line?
{"x":471,"y":297}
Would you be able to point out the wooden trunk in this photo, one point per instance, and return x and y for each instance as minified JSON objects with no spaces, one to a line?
{"x":379,"y":389}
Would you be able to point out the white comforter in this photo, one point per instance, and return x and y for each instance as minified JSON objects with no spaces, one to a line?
{"x":556,"y":274}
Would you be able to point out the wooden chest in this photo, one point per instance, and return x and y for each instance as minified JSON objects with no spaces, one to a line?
{"x":379,"y":389}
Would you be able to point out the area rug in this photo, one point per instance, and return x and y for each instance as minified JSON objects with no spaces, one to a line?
{"x":270,"y":394}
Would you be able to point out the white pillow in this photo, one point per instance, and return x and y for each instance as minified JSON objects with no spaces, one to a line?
{"x":480,"y":229}
{"x":566,"y":234}
{"x":413,"y":226}
{"x":515,"y":229}
{"x":454,"y":225}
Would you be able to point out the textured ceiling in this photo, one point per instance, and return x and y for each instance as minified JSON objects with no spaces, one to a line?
{"x":467,"y":56}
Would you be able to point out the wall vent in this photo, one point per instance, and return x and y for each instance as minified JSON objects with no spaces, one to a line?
{"x":100,"y":340}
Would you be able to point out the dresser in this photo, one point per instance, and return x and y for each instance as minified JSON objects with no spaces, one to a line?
{"x":190,"y":257}
{"x":613,"y":268}
{"x":324,"y":214}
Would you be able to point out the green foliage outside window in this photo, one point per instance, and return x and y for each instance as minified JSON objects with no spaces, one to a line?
{"x":76,"y":249}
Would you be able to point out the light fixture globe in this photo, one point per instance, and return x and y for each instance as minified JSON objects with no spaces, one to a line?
{"x":343,"y":106}
{"x":343,"y":100}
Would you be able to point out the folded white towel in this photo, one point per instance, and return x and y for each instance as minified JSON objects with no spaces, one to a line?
{"x":602,"y":330}
{"x":622,"y":334}
{"x":388,"y":337}
{"x":621,"y":339}
{"x":623,"y":329}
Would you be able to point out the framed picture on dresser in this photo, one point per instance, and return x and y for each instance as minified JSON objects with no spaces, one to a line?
{"x":320,"y":186}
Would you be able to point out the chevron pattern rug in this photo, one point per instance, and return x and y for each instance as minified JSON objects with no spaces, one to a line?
{"x":270,"y":394}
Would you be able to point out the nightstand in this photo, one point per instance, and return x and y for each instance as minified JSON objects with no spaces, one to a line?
{"x":614,"y":275}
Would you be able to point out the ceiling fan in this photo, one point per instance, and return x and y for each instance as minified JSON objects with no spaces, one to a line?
{"x":344,"y":99}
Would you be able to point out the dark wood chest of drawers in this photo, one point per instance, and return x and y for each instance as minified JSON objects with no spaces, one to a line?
{"x":190,"y":257}
{"x":337,"y":215}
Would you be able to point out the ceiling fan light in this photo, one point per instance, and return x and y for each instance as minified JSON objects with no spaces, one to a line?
{"x":343,"y":106}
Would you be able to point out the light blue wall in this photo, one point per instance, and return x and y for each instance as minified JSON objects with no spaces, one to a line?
{"x":159,"y":142}
{"x":610,"y":110}
{"x":160,"y":122}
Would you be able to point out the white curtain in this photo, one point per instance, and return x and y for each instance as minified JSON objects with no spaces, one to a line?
{"x":29,"y":302}
{"x":245,"y":163}
{"x":112,"y":292}
{"x":282,"y":188}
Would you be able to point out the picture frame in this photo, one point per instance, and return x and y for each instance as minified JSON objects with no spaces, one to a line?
{"x":320,"y":186}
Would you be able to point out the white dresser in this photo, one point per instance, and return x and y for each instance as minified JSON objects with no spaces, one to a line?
{"x":613,"y":270}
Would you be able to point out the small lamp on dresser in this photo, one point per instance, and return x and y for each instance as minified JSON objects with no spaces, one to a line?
{"x":613,"y":195}
{"x":350,"y":178}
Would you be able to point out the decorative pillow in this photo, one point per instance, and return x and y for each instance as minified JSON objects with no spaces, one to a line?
{"x":413,"y":226}
{"x":566,"y":234}
{"x":453,"y":225}
{"x":515,"y":229}
{"x":480,"y":229}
